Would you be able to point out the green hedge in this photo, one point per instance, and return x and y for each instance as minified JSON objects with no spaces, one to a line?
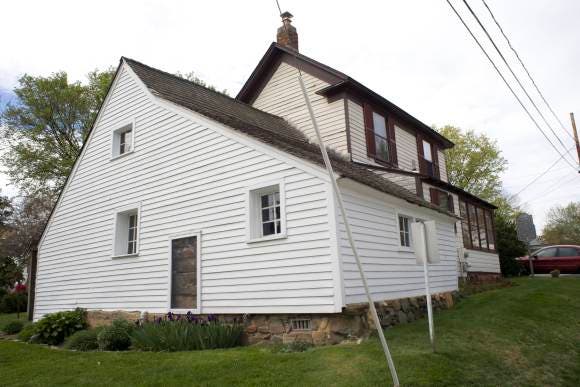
{"x":83,"y":340}
{"x":53,"y":328}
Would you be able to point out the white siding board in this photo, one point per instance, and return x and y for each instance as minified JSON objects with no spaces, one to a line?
{"x":186,"y":176}
{"x":392,"y":272}
{"x":282,"y":96}
{"x":442,"y":165}
{"x":482,"y":261}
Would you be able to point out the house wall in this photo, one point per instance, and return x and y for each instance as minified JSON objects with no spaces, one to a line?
{"x":282,"y":96}
{"x":442,"y":165}
{"x":392,"y":270}
{"x":482,"y":261}
{"x":185,"y":175}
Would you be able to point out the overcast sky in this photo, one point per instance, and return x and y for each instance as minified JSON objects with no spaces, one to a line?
{"x":414,"y":53}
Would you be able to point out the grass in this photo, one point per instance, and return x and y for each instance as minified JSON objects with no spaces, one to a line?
{"x":6,"y":318}
{"x":523,"y":335}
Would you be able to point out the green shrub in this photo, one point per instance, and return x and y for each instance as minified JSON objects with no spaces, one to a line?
{"x":83,"y":340}
{"x":13,"y":303}
{"x":116,"y":337}
{"x":184,"y":335}
{"x":27,"y":332}
{"x":13,"y":327}
{"x":53,"y":328}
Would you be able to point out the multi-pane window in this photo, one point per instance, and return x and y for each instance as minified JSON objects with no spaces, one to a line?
{"x":380,"y":134}
{"x":132,"y":237}
{"x":270,"y":213}
{"x":477,"y":227}
{"x":126,"y":232}
{"x":405,"y":230}
{"x":125,"y":141}
{"x":266,"y":219}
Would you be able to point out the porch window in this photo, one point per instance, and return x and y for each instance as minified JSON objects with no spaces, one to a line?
{"x":477,"y":227}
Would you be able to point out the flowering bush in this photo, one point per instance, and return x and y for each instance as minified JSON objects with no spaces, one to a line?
{"x":53,"y":328}
{"x":186,"y":333}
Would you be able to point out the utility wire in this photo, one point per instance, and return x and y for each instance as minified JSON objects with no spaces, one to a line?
{"x":542,"y":174}
{"x":552,"y":189}
{"x":527,"y":72}
{"x":507,"y":84}
{"x":512,"y":72}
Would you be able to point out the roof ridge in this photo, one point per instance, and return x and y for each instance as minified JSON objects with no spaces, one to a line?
{"x":177,"y":77}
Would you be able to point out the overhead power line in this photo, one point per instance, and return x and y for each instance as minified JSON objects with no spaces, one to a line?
{"x":512,"y":72}
{"x":542,"y":174}
{"x":526,"y":70}
{"x":508,"y":85}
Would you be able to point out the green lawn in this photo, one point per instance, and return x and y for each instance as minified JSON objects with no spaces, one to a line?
{"x":524,"y":335}
{"x":4,"y":318}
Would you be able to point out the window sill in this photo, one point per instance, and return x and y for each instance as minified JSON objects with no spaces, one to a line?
{"x":125,"y":256}
{"x":122,"y":155}
{"x":404,"y":249}
{"x":267,"y":238}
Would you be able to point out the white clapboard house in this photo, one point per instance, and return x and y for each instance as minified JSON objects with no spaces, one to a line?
{"x":184,"y":199}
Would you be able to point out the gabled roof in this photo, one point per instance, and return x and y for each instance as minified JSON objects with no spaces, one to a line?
{"x":338,"y":82}
{"x":265,"y":127}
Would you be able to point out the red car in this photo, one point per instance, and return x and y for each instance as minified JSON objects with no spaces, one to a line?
{"x":565,"y":258}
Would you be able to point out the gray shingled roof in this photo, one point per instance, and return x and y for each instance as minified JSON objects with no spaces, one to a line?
{"x":268,"y":128}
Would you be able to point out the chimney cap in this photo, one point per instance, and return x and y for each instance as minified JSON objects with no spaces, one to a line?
{"x":286,"y":15}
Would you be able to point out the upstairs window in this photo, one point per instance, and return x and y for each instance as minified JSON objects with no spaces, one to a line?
{"x":126,"y":232}
{"x":442,"y":199}
{"x":123,"y":139}
{"x":266,"y":213}
{"x":428,"y":158}
{"x":380,"y":137}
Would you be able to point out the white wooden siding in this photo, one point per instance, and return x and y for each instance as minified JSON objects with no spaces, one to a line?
{"x":185,"y":176}
{"x":442,"y":165}
{"x":391,"y":270}
{"x":282,"y":96}
{"x":406,"y":150}
{"x":481,"y":261}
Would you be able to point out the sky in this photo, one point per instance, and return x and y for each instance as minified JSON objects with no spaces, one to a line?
{"x":415,"y":53}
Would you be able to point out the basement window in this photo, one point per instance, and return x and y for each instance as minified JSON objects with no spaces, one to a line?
{"x":126,"y":233}
{"x":303,"y":324}
{"x":123,"y":139}
{"x":266,"y":216}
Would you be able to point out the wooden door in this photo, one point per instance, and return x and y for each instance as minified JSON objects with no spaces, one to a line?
{"x":184,"y":273}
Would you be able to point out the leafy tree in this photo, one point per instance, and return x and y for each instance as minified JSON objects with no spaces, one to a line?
{"x":508,"y":245}
{"x":474,"y":163}
{"x":44,"y":130}
{"x":563,"y":225}
{"x":190,"y":76}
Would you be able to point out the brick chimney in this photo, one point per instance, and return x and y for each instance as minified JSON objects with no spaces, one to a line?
{"x":287,"y":35}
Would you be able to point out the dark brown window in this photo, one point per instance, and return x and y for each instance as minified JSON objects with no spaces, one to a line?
{"x":442,"y":199}
{"x":428,"y":157}
{"x":380,"y":136}
{"x":477,"y":226}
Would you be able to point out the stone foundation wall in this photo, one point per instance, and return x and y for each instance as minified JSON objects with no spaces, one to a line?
{"x":353,"y":324}
{"x":479,"y":277}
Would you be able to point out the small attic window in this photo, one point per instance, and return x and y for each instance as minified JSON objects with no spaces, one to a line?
{"x":123,"y":139}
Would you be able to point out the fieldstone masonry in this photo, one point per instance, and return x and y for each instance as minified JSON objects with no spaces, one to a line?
{"x":353,"y":324}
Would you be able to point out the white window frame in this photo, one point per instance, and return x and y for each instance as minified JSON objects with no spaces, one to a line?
{"x":116,"y":137}
{"x":253,"y":211}
{"x":427,"y":146}
{"x":412,"y":219}
{"x":124,"y":211}
{"x":193,"y":233}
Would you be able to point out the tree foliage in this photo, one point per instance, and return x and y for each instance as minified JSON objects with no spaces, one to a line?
{"x":44,"y":130}
{"x":563,"y":225}
{"x":474,"y":163}
{"x":508,"y":245}
{"x":190,"y":76}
